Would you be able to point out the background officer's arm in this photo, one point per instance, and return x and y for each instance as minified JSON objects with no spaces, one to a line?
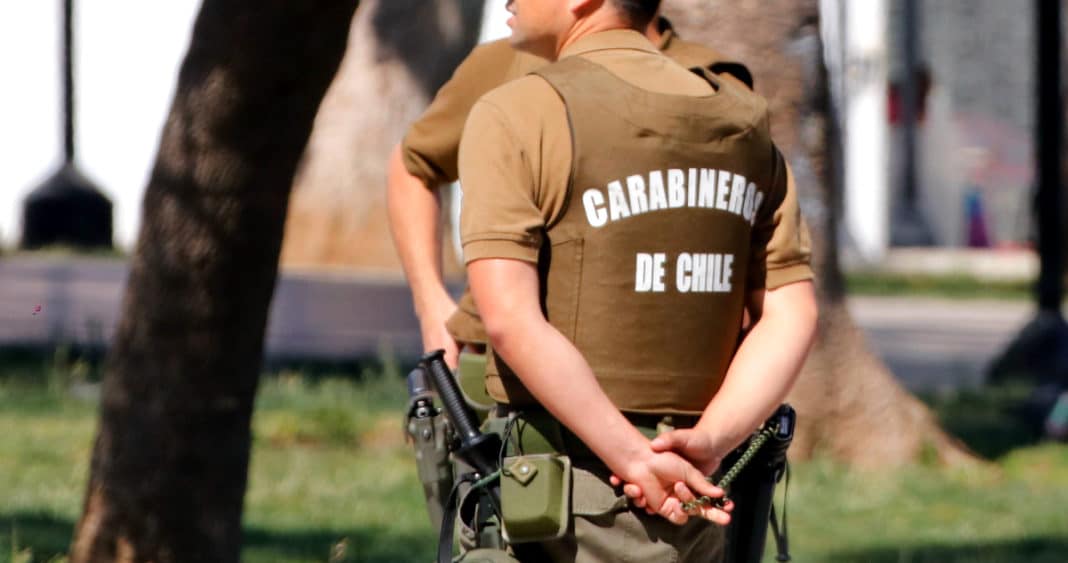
{"x":415,"y":221}
{"x":555,"y":372}
{"x":424,"y":161}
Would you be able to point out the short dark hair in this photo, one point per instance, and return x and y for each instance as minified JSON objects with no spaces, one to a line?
{"x":639,"y":12}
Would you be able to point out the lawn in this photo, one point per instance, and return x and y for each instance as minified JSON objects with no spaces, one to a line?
{"x":952,"y":286}
{"x":332,"y":480}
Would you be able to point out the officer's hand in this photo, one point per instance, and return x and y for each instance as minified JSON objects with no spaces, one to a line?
{"x":435,"y":336}
{"x":696,"y":446}
{"x":655,"y":483}
{"x":718,"y":515}
{"x":640,"y":474}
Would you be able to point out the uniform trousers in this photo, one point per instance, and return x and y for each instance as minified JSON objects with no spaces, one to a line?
{"x":605,"y":528}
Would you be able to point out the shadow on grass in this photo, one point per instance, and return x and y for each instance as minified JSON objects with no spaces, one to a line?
{"x":47,"y":536}
{"x":1030,"y":550}
{"x":987,"y":420}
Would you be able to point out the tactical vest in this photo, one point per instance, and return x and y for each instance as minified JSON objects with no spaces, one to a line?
{"x":646,"y":269}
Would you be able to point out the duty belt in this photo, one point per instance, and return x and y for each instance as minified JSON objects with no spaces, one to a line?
{"x":535,"y":431}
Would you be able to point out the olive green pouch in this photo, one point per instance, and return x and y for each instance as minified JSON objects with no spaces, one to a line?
{"x":471,"y":375}
{"x":536,"y":497}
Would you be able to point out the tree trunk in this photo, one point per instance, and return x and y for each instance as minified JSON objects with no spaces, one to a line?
{"x":400,"y":52}
{"x":170,"y":461}
{"x":849,"y":404}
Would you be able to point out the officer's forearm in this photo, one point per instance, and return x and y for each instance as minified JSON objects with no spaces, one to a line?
{"x":415,"y":221}
{"x":557,"y":375}
{"x":765,"y":367}
{"x":549,"y":365}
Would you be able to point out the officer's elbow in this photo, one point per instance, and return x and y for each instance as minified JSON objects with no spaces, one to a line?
{"x":795,"y":305}
{"x":396,"y":173}
{"x":506,"y":294}
{"x":500,"y":333}
{"x":509,"y":330}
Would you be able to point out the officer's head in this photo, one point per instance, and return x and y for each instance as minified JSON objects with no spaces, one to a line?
{"x":543,"y":26}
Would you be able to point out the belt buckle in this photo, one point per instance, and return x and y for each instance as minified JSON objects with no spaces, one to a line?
{"x":666,"y":424}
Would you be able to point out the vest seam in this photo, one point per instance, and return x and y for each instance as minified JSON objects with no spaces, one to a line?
{"x":571,"y":174}
{"x":577,"y":299}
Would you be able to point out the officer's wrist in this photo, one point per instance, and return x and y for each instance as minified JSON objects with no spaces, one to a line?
{"x":627,"y":453}
{"x":717,"y":443}
{"x":433,"y":305}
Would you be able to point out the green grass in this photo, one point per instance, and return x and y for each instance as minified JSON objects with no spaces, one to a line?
{"x":331,"y":474}
{"x":330,"y":471}
{"x":958,"y":286}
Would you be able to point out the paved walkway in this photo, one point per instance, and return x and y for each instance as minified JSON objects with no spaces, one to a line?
{"x":929,"y":343}
{"x":321,"y":316}
{"x":932,"y":343}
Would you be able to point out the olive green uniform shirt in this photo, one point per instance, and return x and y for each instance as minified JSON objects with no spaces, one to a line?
{"x":515,"y":160}
{"x":516,"y":163}
{"x":429,"y":148}
{"x":524,"y":201}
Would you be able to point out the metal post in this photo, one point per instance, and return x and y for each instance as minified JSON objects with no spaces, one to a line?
{"x":910,"y":227}
{"x":1049,"y":141}
{"x":68,"y":81}
{"x":1040,"y":352}
{"x":67,"y":209}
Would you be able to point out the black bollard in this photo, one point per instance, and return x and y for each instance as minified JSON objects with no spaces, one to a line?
{"x":67,"y":209}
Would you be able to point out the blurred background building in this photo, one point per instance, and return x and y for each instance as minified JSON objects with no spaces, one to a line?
{"x":937,"y":105}
{"x":953,"y":79}
{"x":973,"y":73}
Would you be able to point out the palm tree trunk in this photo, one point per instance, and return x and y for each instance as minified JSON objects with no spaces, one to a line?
{"x":400,"y":52}
{"x":169,"y":464}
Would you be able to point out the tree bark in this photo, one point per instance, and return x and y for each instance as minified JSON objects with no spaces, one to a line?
{"x":849,"y":404}
{"x":170,"y":461}
{"x":400,"y":52}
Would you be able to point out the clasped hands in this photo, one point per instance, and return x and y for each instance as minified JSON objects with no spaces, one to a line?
{"x":673,"y":472}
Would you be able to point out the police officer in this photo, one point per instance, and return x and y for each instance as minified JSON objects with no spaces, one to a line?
{"x":620,"y":214}
{"x":426,"y":160}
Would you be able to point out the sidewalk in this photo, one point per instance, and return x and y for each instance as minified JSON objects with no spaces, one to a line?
{"x":935,"y":344}
{"x":1010,"y":264}
{"x":929,"y":343}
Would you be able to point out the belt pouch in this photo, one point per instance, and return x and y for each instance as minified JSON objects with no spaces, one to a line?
{"x":536,"y":497}
{"x":471,"y":375}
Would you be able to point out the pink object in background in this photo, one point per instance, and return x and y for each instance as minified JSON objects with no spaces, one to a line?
{"x":975,"y":219}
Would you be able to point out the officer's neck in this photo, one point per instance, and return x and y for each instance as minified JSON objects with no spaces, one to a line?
{"x":598,"y":21}
{"x":653,"y":32}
